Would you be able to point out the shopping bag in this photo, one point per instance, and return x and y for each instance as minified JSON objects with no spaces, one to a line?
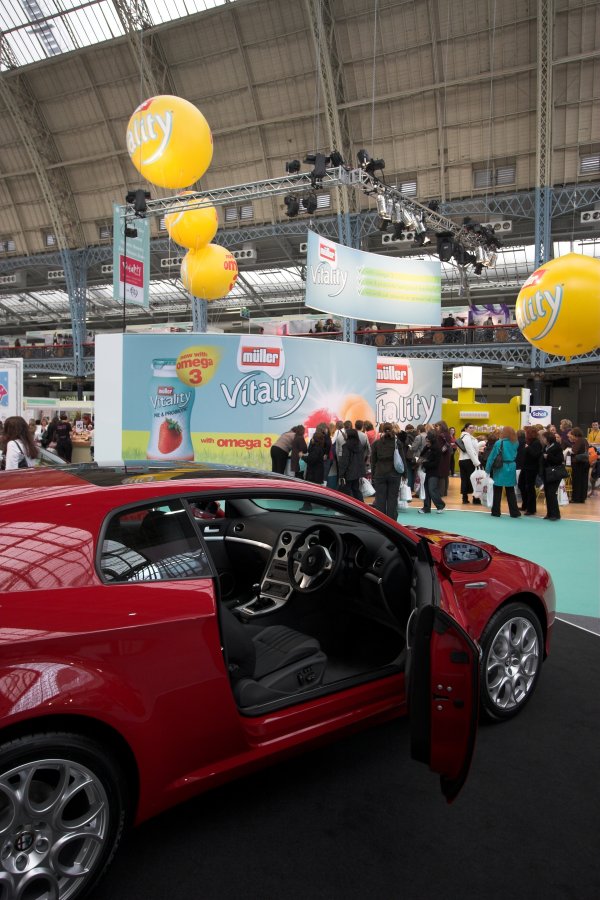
{"x":366,"y":488}
{"x":488,"y":493}
{"x":398,"y":463}
{"x":563,"y":497}
{"x":518,"y":496}
{"x":419,"y":485}
{"x":402,"y":504}
{"x":405,"y":492}
{"x":478,"y":480}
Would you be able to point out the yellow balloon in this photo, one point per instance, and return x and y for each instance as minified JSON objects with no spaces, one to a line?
{"x":209,"y":273}
{"x":192,"y":228}
{"x":558,"y":307}
{"x":169,"y":141}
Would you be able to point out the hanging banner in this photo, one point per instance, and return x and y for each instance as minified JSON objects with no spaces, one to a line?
{"x":540,"y":415}
{"x":11,"y":388}
{"x":222,"y":398}
{"x":131,"y":260}
{"x":409,"y":391}
{"x":359,"y":285}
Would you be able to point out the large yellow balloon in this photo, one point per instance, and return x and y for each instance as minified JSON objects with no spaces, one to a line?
{"x":558,"y":307}
{"x":209,"y":273}
{"x":169,"y":141}
{"x":193,"y":228}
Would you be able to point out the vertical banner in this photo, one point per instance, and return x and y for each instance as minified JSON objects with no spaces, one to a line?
{"x":11,"y":388}
{"x":224,"y":398}
{"x":131,"y":260}
{"x":360,"y":285}
{"x":409,"y":391}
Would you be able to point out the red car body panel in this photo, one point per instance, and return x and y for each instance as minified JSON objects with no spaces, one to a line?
{"x":144,"y":659}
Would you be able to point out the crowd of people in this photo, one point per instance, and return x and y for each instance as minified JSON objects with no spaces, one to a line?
{"x":20,"y":441}
{"x":417,"y":462}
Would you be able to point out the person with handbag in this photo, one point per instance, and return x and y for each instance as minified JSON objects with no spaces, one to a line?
{"x":386,"y":480}
{"x":553,"y":472}
{"x":431,"y":460}
{"x":502,"y":467}
{"x":18,"y":446}
{"x":580,"y":465}
{"x":468,"y":461}
{"x":351,"y":466}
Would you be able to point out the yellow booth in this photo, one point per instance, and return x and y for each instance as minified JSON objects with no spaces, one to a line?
{"x":485,"y":416}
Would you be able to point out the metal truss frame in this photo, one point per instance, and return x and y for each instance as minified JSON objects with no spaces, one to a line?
{"x":522,"y":356}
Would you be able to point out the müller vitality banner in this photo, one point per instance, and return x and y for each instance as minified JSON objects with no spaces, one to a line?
{"x":409,"y":391}
{"x":359,"y":285}
{"x":222,"y":398}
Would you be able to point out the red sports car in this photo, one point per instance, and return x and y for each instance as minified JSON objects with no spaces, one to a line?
{"x":166,"y":629}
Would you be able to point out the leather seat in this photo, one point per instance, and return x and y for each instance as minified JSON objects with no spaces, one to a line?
{"x":269,"y":663}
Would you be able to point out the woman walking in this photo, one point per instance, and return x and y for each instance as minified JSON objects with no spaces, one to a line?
{"x":553,"y":457}
{"x":502,"y":468}
{"x":468,"y":461}
{"x":431,"y":459}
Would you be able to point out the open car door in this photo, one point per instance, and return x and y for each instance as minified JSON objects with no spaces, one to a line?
{"x":442,"y":682}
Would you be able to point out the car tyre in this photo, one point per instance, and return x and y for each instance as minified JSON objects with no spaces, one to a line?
{"x":512,"y":652}
{"x":63,"y":809}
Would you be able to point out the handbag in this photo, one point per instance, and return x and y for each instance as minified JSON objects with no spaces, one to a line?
{"x":498,"y":461}
{"x":366,"y":488}
{"x":460,"y":444}
{"x":398,"y":464}
{"x":555,"y":473}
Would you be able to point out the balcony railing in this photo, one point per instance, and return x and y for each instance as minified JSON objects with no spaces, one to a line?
{"x":44,"y":351}
{"x":438,"y":336}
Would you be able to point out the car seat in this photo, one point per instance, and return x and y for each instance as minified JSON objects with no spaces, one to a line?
{"x":269,"y":663}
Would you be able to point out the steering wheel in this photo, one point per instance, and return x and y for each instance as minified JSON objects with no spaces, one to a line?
{"x":311,"y":565}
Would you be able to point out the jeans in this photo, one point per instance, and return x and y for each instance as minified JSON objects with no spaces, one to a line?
{"x":432,"y":492}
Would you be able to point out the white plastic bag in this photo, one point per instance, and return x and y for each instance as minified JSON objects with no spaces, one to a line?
{"x":402,"y":504}
{"x":488,"y":492}
{"x":405,"y":492}
{"x":419,"y":488}
{"x":563,"y":497}
{"x":366,"y":488}
{"x":518,"y":496}
{"x":478,"y":480}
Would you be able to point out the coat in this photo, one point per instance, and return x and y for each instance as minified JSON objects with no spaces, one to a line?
{"x":506,"y":475}
{"x":382,"y":456}
{"x":446,"y":449}
{"x":432,"y":459}
{"x":532,"y":458}
{"x":352,"y":464}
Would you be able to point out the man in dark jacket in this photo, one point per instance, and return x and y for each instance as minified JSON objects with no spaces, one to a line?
{"x":431,"y":459}
{"x":351,"y":466}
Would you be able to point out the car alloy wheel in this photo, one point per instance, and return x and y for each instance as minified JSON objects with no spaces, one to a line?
{"x":512,"y":647}
{"x":62,"y":812}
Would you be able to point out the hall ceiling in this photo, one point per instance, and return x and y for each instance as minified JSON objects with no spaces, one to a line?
{"x":443,"y":90}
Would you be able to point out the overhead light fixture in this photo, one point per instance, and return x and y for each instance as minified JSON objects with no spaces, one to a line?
{"x":310,"y":202}
{"x":382,"y":206}
{"x":397,"y":213}
{"x":445,"y":247}
{"x":381,"y":224}
{"x":130,"y":232}
{"x":369,"y":164}
{"x":138,"y":200}
{"x":293,"y":205}
{"x":478,"y":268}
{"x":336,"y":159}
{"x":319,"y":171}
{"x":398,"y":232}
{"x":292,"y":166}
{"x":408,"y":218}
{"x":421,"y":239}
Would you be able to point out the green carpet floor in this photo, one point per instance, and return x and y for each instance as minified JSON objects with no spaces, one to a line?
{"x":570,"y":550}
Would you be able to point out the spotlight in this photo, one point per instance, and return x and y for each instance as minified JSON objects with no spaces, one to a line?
{"x":421,"y":240}
{"x":420,"y":228}
{"x":492,"y":259}
{"x":310,"y":202}
{"x":381,"y":224}
{"x":320,"y":167}
{"x":293,"y":205}
{"x":397,"y":213}
{"x":462,"y":257}
{"x":130,"y":232}
{"x":398,"y":232}
{"x":368,"y":164}
{"x":292,"y":166}
{"x":408,"y":218}
{"x":382,"y":206}
{"x":138,"y":199}
{"x":481,"y":255}
{"x":478,"y":268}
{"x":445,"y":247}
{"x":336,"y":159}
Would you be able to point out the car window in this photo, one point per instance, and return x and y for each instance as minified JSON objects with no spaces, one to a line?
{"x":203,"y":508}
{"x":155,"y":542}
{"x":293,"y":504}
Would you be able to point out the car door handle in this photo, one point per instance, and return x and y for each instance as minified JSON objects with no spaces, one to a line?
{"x":476,"y":584}
{"x":209,"y":530}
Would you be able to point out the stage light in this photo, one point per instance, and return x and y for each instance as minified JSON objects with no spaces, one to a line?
{"x":481,"y":255}
{"x":130,"y":232}
{"x":319,"y":171}
{"x":292,"y":166}
{"x":381,"y":224}
{"x":382,"y":206}
{"x":293,"y":205}
{"x":478,"y":268}
{"x":336,"y":159}
{"x":368,"y":164}
{"x":445,"y":247}
{"x":492,"y":259}
{"x":408,"y":218}
{"x":310,"y":202}
{"x":397,"y":213}
{"x":363,"y":158}
{"x":421,"y":240}
{"x":398,"y":232}
{"x":138,"y":199}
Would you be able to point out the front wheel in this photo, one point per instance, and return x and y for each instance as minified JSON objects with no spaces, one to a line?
{"x":512,"y":651}
{"x":62,"y":813}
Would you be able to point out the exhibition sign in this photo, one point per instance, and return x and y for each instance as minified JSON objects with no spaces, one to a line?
{"x":11,"y":387}
{"x":222,"y":398}
{"x":409,"y":391}
{"x":359,"y":285}
{"x":131,"y":260}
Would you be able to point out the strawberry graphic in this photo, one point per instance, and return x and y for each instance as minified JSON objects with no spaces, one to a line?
{"x":169,"y":436}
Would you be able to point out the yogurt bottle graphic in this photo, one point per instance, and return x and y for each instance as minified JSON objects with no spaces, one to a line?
{"x":171,"y":404}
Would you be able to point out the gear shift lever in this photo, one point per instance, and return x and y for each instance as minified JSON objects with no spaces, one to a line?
{"x":258,"y":603}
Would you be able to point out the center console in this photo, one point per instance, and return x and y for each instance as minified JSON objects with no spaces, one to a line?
{"x":275,"y":588}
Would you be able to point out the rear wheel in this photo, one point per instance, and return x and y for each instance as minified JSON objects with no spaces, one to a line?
{"x":512,"y":646}
{"x":63,"y":804}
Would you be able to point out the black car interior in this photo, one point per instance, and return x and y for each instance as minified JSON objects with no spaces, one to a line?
{"x":311,"y":599}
